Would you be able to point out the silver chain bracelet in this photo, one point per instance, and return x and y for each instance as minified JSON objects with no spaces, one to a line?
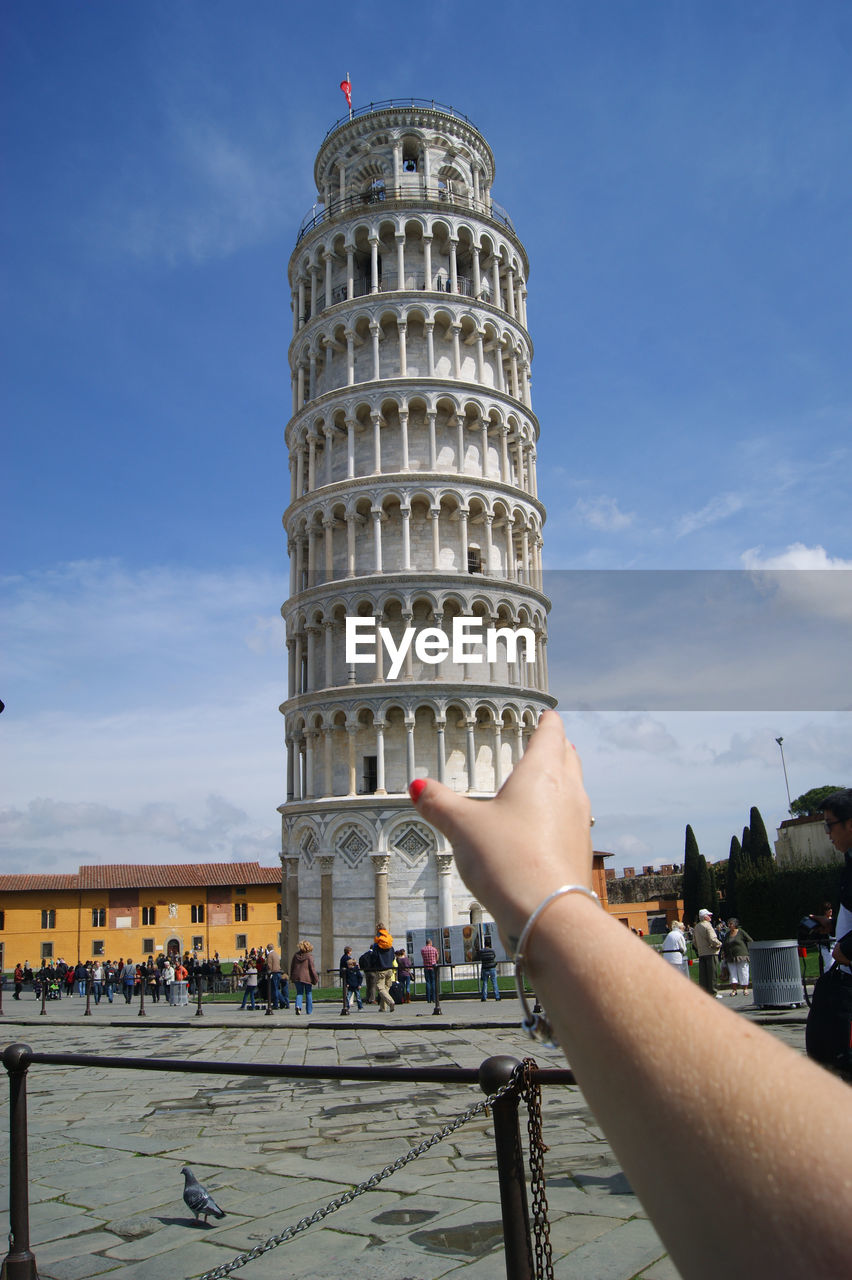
{"x":537,"y":1025}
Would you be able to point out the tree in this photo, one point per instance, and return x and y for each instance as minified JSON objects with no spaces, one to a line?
{"x":810,"y":801}
{"x":746,"y":844}
{"x":705,"y":885}
{"x":713,"y":881}
{"x":691,"y":857}
{"x":761,"y":850}
{"x":735,"y":866}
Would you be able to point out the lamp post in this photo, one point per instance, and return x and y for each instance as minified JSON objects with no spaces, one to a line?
{"x":780,"y":742}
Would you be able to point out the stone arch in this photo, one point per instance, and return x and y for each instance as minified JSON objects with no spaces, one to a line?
{"x":352,"y":839}
{"x":396,"y":838}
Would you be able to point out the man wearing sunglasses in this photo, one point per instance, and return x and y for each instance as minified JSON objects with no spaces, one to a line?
{"x":837,"y":812}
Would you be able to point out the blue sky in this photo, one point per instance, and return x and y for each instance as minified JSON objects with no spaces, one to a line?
{"x":680,"y":175}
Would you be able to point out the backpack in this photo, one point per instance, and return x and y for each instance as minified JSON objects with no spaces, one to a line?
{"x":828,"y":1032}
{"x":367,"y":962}
{"x":808,"y":931}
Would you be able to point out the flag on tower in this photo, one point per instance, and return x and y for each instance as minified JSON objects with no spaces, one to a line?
{"x":346,"y":86}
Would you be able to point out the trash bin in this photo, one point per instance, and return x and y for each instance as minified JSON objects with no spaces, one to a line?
{"x":776,"y":978}
{"x":179,"y":993}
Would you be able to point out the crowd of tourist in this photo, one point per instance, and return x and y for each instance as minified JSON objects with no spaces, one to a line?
{"x":105,"y":979}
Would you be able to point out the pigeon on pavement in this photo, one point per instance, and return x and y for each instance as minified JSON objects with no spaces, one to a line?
{"x":197,"y":1198}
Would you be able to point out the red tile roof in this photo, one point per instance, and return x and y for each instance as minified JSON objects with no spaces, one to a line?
{"x":147,"y":875}
{"x":11,"y":884}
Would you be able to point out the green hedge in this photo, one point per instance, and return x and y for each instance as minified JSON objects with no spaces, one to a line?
{"x":771,"y":902}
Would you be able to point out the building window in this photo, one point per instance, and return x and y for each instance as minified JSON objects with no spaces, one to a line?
{"x":240,"y":911}
{"x":47,"y":951}
{"x":371,"y":774}
{"x":474,"y":560}
{"x":98,"y":917}
{"x":197,"y":942}
{"x":2,"y":919}
{"x":148,"y":946}
{"x":240,"y":891}
{"x":48,"y":919}
{"x":241,"y":942}
{"x":278,"y":911}
{"x":197,"y":914}
{"x":149,"y":916}
{"x":98,"y":947}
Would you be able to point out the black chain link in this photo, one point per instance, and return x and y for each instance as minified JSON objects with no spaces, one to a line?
{"x":531,"y":1094}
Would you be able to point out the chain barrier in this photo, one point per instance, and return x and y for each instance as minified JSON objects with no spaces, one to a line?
{"x":531,"y":1094}
{"x":513,"y":1085}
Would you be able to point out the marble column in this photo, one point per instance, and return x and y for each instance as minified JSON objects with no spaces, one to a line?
{"x":290,"y":923}
{"x":445,"y":889}
{"x":326,"y":958}
{"x":470,"y":745}
{"x":381,"y":789}
{"x":409,"y":750}
{"x":381,"y":866}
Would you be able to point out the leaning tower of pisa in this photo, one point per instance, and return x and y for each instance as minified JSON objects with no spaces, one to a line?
{"x":412,"y":508}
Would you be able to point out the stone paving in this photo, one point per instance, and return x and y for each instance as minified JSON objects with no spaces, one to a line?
{"x":106,"y":1147}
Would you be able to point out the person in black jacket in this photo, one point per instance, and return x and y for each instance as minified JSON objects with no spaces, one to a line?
{"x":487,"y":958}
{"x":837,"y":812}
{"x":384,"y":955}
{"x":352,"y":979}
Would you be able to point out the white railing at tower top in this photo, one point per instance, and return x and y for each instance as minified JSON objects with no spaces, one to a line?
{"x":412,"y":190}
{"x":397,"y":103}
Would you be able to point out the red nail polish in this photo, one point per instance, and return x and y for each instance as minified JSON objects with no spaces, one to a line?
{"x":416,"y":789}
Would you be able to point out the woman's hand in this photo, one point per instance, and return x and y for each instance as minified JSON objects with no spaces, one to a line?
{"x":514,"y":850}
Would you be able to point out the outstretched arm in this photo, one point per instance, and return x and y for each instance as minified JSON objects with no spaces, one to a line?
{"x":754,"y":1124}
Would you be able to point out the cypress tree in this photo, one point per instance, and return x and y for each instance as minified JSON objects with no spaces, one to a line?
{"x":705,"y":885}
{"x":735,"y":862}
{"x":746,"y":845}
{"x":761,"y":851}
{"x":691,"y":904}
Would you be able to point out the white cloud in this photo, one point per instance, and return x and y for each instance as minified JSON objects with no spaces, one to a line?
{"x":628,"y":849}
{"x":797,"y":556}
{"x":603,"y":513}
{"x":719,"y":508}
{"x":142,"y":715}
{"x":111,"y":636}
{"x":158,"y":824}
{"x":804,"y":580}
{"x":724,"y":763}
{"x":640,"y":733}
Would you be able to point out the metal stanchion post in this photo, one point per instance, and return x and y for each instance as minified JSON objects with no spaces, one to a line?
{"x":517,"y":1242}
{"x":437,"y":1008}
{"x":19,"y":1263}
{"x":43,"y":990}
{"x":345,"y":1006}
{"x":87,"y":1012}
{"x":142,"y":1013}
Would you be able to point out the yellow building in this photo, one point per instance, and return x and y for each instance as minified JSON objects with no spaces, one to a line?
{"x":139,"y":910}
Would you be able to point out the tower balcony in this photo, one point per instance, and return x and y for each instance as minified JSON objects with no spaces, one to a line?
{"x":414,"y":190}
